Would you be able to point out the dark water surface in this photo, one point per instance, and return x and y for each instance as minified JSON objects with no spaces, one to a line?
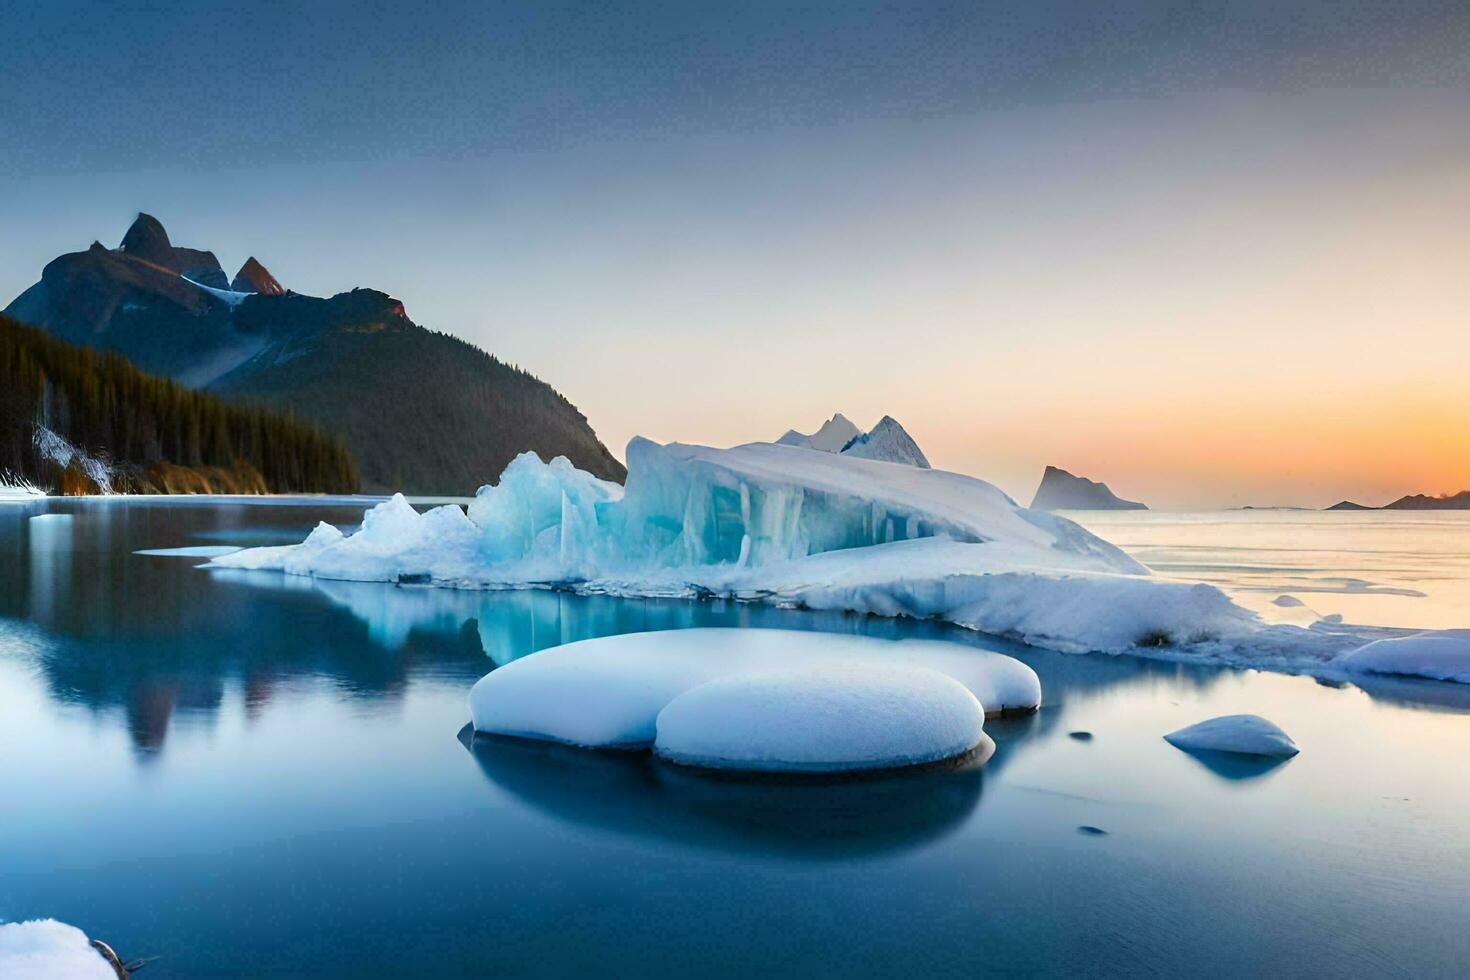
{"x":248,"y":774}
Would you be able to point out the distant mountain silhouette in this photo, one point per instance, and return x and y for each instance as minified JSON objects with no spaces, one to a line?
{"x":422,"y":411}
{"x":1416,"y":501}
{"x":255,"y":278}
{"x":1419,"y":501}
{"x":1060,"y":490}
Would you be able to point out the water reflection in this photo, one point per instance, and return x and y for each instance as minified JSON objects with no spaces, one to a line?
{"x":635,"y":795}
{"x":1236,"y":766}
{"x":150,"y":636}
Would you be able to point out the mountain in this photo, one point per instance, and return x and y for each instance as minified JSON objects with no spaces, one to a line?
{"x":889,"y":442}
{"x":1061,"y":490}
{"x":834,"y":434}
{"x":73,"y":420}
{"x":148,"y":241}
{"x":255,"y":278}
{"x":885,"y":441}
{"x":1349,"y":505}
{"x":1419,"y":501}
{"x":422,"y":412}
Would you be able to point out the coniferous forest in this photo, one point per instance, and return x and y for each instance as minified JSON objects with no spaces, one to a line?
{"x":77,"y":420}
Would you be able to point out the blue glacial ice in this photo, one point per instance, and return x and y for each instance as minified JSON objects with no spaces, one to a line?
{"x":805,"y":528}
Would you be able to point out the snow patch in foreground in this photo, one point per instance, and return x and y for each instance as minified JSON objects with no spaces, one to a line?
{"x":842,"y":717}
{"x":608,"y":692}
{"x":1442,"y":655}
{"x":44,"y":949}
{"x":1242,"y":734}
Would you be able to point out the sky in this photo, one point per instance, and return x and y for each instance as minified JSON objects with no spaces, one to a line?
{"x":1214,"y":254}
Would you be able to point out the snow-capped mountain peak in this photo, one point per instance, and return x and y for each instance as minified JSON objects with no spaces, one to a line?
{"x":887,"y":441}
{"x":834,"y":434}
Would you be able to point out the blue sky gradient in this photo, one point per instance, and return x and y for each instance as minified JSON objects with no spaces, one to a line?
{"x":1185,"y":248}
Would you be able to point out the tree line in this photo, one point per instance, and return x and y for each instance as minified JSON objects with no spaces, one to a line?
{"x":104,"y":406}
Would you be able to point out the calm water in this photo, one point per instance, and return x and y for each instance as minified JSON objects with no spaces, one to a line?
{"x":1379,"y":568}
{"x":254,"y":775}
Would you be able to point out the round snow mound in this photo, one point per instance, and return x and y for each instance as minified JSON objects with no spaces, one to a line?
{"x":1244,"y":734}
{"x":832,"y":718}
{"x":607,"y":692}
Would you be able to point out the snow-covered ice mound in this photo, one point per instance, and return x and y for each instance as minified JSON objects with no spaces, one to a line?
{"x":44,"y":949}
{"x":793,"y":527}
{"x":836,"y":718}
{"x":608,"y":692}
{"x":1242,"y":734}
{"x":1442,"y":655}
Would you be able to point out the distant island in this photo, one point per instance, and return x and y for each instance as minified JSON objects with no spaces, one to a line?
{"x":1060,"y":490}
{"x":1416,"y":501}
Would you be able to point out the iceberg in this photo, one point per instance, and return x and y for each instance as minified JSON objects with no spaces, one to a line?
{"x":793,"y":527}
{"x":608,"y":692}
{"x":800,"y":528}
{"x":1240,"y":734}
{"x":837,"y":718}
{"x":44,"y":949}
{"x":1442,"y":655}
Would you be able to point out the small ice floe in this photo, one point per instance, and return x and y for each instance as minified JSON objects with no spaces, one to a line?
{"x":609,"y":692}
{"x":1441,"y":655}
{"x":44,"y":949}
{"x":836,"y":718}
{"x":1239,"y":734}
{"x":192,"y":551}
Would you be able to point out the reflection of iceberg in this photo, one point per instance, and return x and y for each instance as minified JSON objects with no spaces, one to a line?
{"x":796,"y":527}
{"x":809,"y":819}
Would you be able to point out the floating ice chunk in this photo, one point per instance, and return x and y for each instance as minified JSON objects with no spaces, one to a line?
{"x":44,"y":949}
{"x":191,"y":551}
{"x":795,"y":527}
{"x":608,"y":692}
{"x":830,"y":718}
{"x":1442,"y":655}
{"x":1242,"y":734}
